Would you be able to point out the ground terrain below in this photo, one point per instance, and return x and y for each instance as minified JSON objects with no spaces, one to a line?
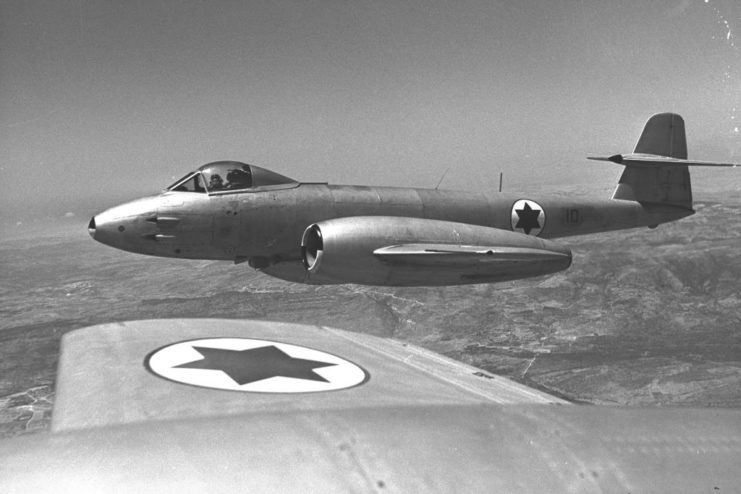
{"x":643,"y":317}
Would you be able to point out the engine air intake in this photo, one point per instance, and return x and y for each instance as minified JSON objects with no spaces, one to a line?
{"x":312,"y":247}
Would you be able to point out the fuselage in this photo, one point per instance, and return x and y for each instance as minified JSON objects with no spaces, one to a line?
{"x":266,"y":225}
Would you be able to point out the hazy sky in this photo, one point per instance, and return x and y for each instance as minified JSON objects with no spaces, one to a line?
{"x":117,"y":98}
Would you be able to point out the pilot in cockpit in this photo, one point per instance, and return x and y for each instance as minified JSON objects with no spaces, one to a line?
{"x":216,"y":182}
{"x":229,"y":176}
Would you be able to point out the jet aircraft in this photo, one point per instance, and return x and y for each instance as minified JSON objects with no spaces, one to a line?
{"x":327,"y":234}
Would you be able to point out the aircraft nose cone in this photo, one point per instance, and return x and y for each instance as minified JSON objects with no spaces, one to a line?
{"x":91,"y":227}
{"x":127,"y":226}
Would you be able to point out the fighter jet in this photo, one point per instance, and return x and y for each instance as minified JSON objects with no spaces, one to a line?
{"x":328,"y":234}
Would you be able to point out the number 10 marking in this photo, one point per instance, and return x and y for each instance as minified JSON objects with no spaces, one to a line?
{"x":571,"y":216}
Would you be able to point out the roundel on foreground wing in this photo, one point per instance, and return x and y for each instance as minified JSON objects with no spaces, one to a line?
{"x":259,"y":366}
{"x":528,"y":217}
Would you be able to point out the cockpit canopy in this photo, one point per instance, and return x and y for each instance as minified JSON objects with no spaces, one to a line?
{"x":229,"y":176}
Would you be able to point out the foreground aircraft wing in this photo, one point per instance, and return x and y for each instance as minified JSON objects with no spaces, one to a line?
{"x":244,"y":406}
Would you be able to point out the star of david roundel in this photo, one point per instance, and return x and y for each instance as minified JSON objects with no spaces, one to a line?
{"x":528,"y":217}
{"x":259,"y":366}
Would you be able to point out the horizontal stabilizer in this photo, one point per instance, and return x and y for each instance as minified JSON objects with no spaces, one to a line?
{"x":656,"y":160}
{"x":456,"y":255}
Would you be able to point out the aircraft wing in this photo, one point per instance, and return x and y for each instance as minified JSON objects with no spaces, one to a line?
{"x":225,"y":405}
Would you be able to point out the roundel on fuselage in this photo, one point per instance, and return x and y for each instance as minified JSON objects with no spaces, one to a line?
{"x":528,"y":217}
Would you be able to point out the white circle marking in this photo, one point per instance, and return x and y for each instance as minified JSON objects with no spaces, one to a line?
{"x":524,"y":218}
{"x":329,"y":372}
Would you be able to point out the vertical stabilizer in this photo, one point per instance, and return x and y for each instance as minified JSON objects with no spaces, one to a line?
{"x":663,"y":136}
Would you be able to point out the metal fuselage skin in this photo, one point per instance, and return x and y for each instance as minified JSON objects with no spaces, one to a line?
{"x":264,"y":225}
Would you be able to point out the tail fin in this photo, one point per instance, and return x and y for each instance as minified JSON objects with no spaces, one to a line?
{"x":663,"y":135}
{"x":657,"y":171}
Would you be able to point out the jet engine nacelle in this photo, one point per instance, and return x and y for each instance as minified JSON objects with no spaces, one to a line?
{"x":386,"y":250}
